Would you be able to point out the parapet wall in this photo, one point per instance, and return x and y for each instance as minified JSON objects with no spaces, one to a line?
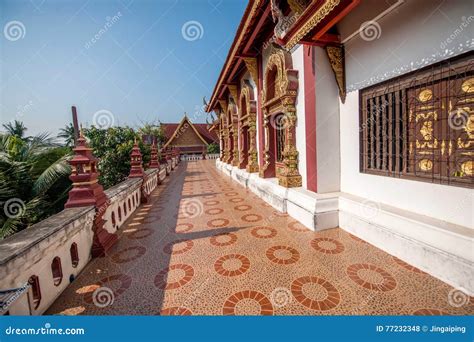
{"x":50,"y":254}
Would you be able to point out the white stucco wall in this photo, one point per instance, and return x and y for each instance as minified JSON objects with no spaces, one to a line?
{"x":426,"y":25}
{"x":415,"y":34}
{"x":327,"y":125}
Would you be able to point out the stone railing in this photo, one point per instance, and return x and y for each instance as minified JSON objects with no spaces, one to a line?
{"x":212,"y":156}
{"x":50,"y":254}
{"x":191,"y":157}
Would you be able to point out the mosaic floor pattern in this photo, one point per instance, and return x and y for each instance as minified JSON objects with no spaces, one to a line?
{"x":204,"y":245}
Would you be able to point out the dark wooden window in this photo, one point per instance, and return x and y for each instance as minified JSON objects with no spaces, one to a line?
{"x":421,"y":126}
{"x":74,"y":255}
{"x":36,"y":290}
{"x":280,"y":128}
{"x":57,"y":271}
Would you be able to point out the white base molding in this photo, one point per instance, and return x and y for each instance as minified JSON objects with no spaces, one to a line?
{"x":438,"y":248}
{"x":315,"y":211}
{"x":441,"y":249}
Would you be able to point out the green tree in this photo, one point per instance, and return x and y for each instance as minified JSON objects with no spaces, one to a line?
{"x":213,"y":148}
{"x":112,"y":147}
{"x":151,"y":130}
{"x":67,"y":134}
{"x":16,"y":128}
{"x":33,"y":180}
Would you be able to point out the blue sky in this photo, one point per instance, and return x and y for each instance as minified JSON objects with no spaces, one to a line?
{"x":133,"y":59}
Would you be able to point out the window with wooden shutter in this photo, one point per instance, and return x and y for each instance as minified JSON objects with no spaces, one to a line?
{"x":421,"y":126}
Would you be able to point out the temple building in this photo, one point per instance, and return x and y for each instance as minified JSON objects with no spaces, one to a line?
{"x":190,"y":138}
{"x":333,"y":112}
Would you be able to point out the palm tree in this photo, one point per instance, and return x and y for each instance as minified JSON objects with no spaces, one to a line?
{"x":16,"y":128}
{"x":33,"y":180}
{"x":68,"y":134}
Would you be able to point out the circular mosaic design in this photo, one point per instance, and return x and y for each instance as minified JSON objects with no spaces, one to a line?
{"x":178,"y":247}
{"x":371,"y":277}
{"x":283,"y":255}
{"x":251,"y":218}
{"x":209,"y":196}
{"x":224,"y":239}
{"x":175,"y":311}
{"x":184,"y":227}
{"x":232,"y":193}
{"x":429,"y":312}
{"x":406,"y":265}
{"x":214,"y":211}
{"x":231,"y":304}
{"x":243,"y":207}
{"x":232,"y":265}
{"x":217,"y":223}
{"x":140,"y":234}
{"x":321,"y":295}
{"x":128,"y":254}
{"x":166,"y":280}
{"x":122,"y":280}
{"x":327,"y":245}
{"x":211,"y":202}
{"x":236,"y":200}
{"x":297,"y":227}
{"x":264,"y":232}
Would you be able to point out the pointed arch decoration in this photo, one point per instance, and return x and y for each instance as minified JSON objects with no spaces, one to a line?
{"x":280,"y":88}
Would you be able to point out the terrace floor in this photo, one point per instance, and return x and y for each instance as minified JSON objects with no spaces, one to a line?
{"x":204,"y":245}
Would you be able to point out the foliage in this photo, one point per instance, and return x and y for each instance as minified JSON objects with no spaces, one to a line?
{"x":213,"y":148}
{"x":67,"y":134}
{"x":155,"y":131}
{"x":112,"y":147}
{"x":33,"y":176}
{"x":17,"y":128}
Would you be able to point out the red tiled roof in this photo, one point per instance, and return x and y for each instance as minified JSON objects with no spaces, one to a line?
{"x":210,"y":137}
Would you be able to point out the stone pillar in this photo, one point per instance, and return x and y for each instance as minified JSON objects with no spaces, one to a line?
{"x":290,"y":176}
{"x":252,"y":163}
{"x":136,"y":170}
{"x":87,"y":191}
{"x":136,"y":167}
{"x":154,"y":163}
{"x":235,"y":154}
